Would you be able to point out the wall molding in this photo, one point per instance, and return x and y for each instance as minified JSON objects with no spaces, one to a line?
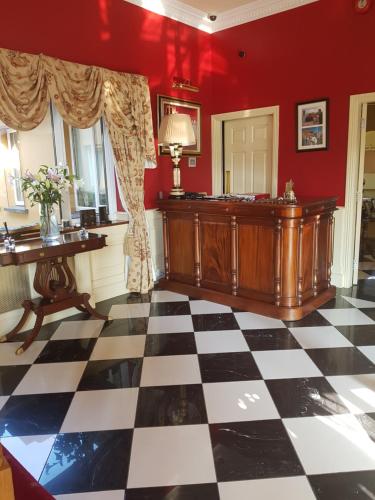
{"x":174,"y":9}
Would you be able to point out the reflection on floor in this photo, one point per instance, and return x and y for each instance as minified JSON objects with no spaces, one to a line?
{"x":366,"y":268}
{"x":189,"y":400}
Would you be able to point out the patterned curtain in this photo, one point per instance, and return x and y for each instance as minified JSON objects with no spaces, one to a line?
{"x":82,"y":94}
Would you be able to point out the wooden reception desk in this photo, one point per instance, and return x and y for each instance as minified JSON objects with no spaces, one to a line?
{"x":267,"y":256}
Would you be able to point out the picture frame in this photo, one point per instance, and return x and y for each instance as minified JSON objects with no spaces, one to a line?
{"x":312,"y":125}
{"x":166,"y":105}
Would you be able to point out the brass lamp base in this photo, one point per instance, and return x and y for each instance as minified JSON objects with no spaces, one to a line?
{"x":176,"y":192}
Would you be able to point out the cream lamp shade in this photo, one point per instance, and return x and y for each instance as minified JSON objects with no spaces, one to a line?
{"x":176,"y":128}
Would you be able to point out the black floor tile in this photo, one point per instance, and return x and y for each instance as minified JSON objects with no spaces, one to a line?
{"x":127,"y":326}
{"x":305,"y":397}
{"x":34,"y":414}
{"x":227,"y":367}
{"x":60,"y":351}
{"x":312,"y":319}
{"x":171,"y":405}
{"x":341,"y":361}
{"x":344,"y":486}
{"x":186,"y":492}
{"x":270,"y":339}
{"x":337,"y":303}
{"x":367,"y":421}
{"x":370,"y":312}
{"x":10,"y":377}
{"x":88,"y":461}
{"x":359,"y":334}
{"x":169,"y":344}
{"x":169,"y":308}
{"x":111,"y":374}
{"x":209,"y":322}
{"x":45,"y":333}
{"x":253,"y":450}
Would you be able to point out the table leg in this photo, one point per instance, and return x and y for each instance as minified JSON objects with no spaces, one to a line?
{"x":89,"y":309}
{"x":27,"y":310}
{"x":33,"y":334}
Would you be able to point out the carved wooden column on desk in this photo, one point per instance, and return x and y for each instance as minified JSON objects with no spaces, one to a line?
{"x":234,"y":253}
{"x":197,"y":253}
{"x":277,"y":264}
{"x":316,"y":254}
{"x":166,"y":246}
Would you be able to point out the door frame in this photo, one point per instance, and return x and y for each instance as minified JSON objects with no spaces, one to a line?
{"x":352,"y":188}
{"x":217,"y":143}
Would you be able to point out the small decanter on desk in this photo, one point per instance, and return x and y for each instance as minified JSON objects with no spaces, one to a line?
{"x":289,"y":195}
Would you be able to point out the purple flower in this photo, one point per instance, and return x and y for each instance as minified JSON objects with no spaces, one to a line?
{"x":53,"y":176}
{"x":29,"y":176}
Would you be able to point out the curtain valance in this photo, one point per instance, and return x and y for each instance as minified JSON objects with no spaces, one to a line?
{"x":82,"y":94}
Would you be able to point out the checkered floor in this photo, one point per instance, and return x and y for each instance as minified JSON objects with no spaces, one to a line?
{"x":190,"y":400}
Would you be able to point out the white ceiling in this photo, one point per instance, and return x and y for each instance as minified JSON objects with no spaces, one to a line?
{"x":229,"y":12}
{"x":216,"y":6}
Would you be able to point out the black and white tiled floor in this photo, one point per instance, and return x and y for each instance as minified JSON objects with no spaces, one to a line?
{"x":180,"y":399}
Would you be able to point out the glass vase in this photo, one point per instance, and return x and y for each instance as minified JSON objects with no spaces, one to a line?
{"x":49,"y":228}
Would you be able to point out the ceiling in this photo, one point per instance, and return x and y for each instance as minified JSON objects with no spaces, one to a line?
{"x":216,"y":6}
{"x":229,"y":12}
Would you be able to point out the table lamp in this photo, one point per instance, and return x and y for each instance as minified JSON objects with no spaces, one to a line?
{"x":176,"y":131}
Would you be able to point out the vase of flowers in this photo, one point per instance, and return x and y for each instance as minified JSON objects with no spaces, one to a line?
{"x":46,"y":188}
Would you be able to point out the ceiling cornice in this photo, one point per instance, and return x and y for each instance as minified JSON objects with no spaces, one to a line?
{"x":196,"y":18}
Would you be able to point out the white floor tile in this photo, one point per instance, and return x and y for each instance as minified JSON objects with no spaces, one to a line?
{"x":101,"y":410}
{"x":220,"y":341}
{"x":3,"y":400}
{"x":346,"y":317}
{"x":238,"y":401}
{"x":170,"y":324}
{"x":357,"y":392}
{"x":206,"y":307}
{"x":368,"y":351}
{"x":95,"y":495}
{"x":336,"y":443}
{"x":119,"y":311}
{"x":360,"y":302}
{"x":78,"y":329}
{"x":316,"y":337}
{"x":9,"y":357}
{"x":132,"y":346}
{"x":31,"y":451}
{"x":170,"y":370}
{"x":251,"y":321}
{"x":51,"y":377}
{"x":166,"y":296}
{"x":281,"y":488}
{"x":163,"y":456}
{"x":288,"y":363}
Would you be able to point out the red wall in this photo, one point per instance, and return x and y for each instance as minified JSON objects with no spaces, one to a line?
{"x":123,"y":37}
{"x":323,"y":49}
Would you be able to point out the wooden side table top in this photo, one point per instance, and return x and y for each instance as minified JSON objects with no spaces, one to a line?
{"x":35,"y":249}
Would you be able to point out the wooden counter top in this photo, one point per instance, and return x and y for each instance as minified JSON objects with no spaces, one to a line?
{"x":270,"y":206}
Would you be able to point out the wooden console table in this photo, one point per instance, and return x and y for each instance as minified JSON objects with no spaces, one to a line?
{"x":53,"y":280}
{"x":267,"y":256}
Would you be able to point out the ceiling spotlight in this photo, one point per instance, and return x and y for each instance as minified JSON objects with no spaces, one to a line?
{"x":212,"y":17}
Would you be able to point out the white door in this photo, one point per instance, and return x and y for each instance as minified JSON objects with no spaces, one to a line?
{"x":248,"y":155}
{"x":359,"y":194}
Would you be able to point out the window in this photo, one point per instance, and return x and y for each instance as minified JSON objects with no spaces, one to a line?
{"x":89,"y":154}
{"x":89,"y":165}
{"x":11,"y":166}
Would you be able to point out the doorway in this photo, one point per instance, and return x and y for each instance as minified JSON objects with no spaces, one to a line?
{"x":247,"y":166}
{"x":365,"y":233}
{"x":250,"y":140}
